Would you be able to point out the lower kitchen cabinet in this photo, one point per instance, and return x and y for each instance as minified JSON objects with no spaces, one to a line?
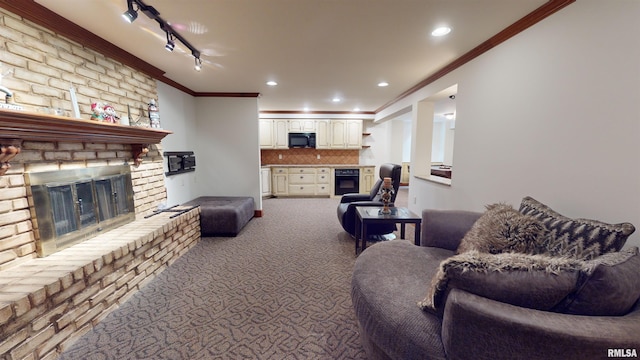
{"x":279,"y":181}
{"x":367,"y":178}
{"x":313,"y":181}
{"x":265,"y":180}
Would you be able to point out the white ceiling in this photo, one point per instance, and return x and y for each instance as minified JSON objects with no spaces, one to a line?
{"x":314,"y":49}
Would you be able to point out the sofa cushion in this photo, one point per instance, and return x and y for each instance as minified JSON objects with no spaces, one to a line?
{"x":504,"y":229}
{"x":611,"y":285}
{"x":533,"y":281}
{"x":578,"y":238}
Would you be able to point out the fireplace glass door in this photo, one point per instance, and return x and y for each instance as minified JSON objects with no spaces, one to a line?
{"x":74,"y":205}
{"x":86,"y":204}
{"x":112,"y":197}
{"x":63,"y":209}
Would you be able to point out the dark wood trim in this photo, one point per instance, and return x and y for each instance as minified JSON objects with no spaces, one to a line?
{"x":177,"y":85}
{"x":549,"y":8}
{"x":225,"y":94}
{"x":257,"y":213}
{"x":298,"y":112}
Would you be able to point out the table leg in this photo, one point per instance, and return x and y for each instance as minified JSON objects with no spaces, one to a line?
{"x":402,"y":230}
{"x":364,"y":236}
{"x":417,"y":234}
{"x":358,"y":232}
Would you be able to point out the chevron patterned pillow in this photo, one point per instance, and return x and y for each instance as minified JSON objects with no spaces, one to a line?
{"x":581,"y":239}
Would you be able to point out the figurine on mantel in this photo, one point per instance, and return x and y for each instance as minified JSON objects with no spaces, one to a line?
{"x":104,"y":112}
{"x":110,"y":115}
{"x":97,"y":111}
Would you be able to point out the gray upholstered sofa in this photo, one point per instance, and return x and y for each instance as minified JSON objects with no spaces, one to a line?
{"x":477,"y":319}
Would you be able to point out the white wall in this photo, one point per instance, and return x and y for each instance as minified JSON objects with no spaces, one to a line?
{"x":553,"y":113}
{"x":177,"y":113}
{"x":227,"y":145}
{"x":223,"y":133}
{"x":380,"y":142}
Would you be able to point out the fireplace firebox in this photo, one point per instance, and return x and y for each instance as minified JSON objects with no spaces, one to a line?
{"x":73,"y":205}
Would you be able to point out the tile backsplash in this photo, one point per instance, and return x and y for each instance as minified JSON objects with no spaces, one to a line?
{"x":308,"y":157}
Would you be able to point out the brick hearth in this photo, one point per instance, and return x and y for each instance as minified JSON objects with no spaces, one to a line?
{"x":47,"y":303}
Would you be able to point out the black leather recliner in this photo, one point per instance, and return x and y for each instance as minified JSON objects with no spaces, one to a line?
{"x":348,"y":203}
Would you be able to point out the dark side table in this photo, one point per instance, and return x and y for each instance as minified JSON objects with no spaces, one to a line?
{"x":367,"y":215}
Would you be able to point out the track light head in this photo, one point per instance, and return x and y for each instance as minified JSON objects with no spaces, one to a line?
{"x":130,"y":15}
{"x":198,"y":65}
{"x":170,"y":42}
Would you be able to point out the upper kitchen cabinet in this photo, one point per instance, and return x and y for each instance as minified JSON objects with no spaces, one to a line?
{"x":273,"y":134}
{"x":345,"y":134}
{"x":302,"y":125}
{"x":322,"y":134}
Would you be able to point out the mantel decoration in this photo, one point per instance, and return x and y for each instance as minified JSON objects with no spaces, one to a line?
{"x":386,"y":191}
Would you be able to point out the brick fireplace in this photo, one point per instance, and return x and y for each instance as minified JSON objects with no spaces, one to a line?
{"x":46,"y":303}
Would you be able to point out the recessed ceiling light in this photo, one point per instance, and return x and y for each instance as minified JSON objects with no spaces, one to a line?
{"x":383,"y":84}
{"x":272,"y":83}
{"x":441,"y":31}
{"x":336,"y":99}
{"x":356,"y":109}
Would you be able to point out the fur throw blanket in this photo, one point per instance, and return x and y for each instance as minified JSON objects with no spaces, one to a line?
{"x":480,"y":262}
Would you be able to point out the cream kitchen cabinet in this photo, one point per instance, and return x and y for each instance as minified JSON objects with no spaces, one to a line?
{"x":323,"y":181}
{"x":302,"y":125}
{"x":345,"y":134}
{"x":265,"y":181}
{"x":302,"y":181}
{"x":367,"y":178}
{"x":273,"y":134}
{"x":266,"y":134}
{"x":279,"y":181}
{"x":322,"y":134}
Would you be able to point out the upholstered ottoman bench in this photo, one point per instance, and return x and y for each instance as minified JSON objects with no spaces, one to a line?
{"x":223,"y":215}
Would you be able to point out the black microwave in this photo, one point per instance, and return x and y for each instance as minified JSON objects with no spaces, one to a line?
{"x":302,"y":140}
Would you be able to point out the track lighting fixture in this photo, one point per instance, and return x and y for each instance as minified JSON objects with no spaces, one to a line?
{"x":130,"y":15}
{"x":170,"y":42}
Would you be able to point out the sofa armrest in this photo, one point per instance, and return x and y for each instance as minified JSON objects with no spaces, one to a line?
{"x":445,"y":228}
{"x":474,"y":326}
{"x":349,"y":198}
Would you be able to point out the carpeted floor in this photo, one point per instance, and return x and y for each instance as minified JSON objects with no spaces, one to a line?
{"x":279,"y":290}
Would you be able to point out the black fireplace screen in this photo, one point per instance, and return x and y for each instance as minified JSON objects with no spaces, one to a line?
{"x":74,"y":206}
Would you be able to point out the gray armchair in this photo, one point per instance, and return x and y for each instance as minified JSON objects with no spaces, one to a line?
{"x":348,"y":202}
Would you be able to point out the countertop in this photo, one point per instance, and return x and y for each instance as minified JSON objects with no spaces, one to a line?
{"x":335,"y":166}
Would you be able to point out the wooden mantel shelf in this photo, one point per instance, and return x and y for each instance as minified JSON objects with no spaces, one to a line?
{"x":22,"y":125}
{"x":19,"y":126}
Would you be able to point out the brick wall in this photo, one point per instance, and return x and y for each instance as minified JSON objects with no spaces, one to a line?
{"x":44,"y":65}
